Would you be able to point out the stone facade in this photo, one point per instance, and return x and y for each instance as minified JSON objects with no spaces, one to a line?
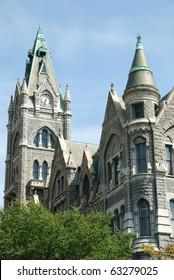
{"x":129,"y":174}
{"x":37,"y":113}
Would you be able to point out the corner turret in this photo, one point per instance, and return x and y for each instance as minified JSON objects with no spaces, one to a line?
{"x":141,"y":95}
{"x":11,"y":109}
{"x":67,"y":112}
{"x":24,"y":93}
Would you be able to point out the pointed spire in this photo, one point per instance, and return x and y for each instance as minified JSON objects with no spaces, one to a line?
{"x":11,"y":105}
{"x":11,"y":109}
{"x":140,"y":73}
{"x":67,"y":94}
{"x":18,"y":87}
{"x":70,"y":162}
{"x":40,"y":35}
{"x":24,"y":87}
{"x":112,"y":89}
{"x":39,"y":69}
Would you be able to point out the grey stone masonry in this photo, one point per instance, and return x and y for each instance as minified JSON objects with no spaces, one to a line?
{"x":130,"y":174}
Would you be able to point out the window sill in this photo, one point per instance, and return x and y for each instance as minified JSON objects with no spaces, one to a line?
{"x":170,"y":175}
{"x":138,"y":121}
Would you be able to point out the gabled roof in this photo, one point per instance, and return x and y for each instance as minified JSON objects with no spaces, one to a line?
{"x":115,"y":105}
{"x":140,"y":73}
{"x":73,"y":151}
{"x":166,"y":100}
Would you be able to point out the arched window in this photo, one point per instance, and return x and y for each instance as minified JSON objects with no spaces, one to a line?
{"x":144,"y":217}
{"x":52,"y":140}
{"x":169,"y":159}
{"x":86,"y":191}
{"x":16,"y":144}
{"x":44,"y":170}
{"x":36,"y":140}
{"x":122,"y":217}
{"x":141,"y":161}
{"x":44,"y":138}
{"x":35,"y":170}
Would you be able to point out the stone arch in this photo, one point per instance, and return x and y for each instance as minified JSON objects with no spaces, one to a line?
{"x":138,"y":140}
{"x":141,"y":135}
{"x":39,"y":127}
{"x":110,"y":141}
{"x":168,"y":139}
{"x":148,"y":198}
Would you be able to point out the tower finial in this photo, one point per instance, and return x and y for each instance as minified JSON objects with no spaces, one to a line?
{"x":40,"y":35}
{"x":112,"y":88}
{"x":39,"y":29}
{"x":139,"y":45}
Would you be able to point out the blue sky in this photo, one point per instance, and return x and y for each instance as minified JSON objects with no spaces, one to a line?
{"x":92,"y":44}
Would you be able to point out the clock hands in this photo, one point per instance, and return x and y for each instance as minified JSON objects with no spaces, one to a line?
{"x":46,"y":100}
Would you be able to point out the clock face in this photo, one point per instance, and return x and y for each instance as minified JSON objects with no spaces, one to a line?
{"x":46,"y":100}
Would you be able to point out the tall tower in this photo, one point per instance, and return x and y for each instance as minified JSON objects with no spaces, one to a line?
{"x":37,"y":113}
{"x":141,"y":98}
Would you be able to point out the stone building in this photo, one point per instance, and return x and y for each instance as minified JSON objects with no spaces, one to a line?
{"x":136,"y":157}
{"x":35,"y":115}
{"x":129,"y":174}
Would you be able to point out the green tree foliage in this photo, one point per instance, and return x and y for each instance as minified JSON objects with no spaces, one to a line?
{"x":165,"y":253}
{"x":33,"y":232}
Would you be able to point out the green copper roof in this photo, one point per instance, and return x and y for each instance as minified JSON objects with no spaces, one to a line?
{"x":39,"y":68}
{"x":39,"y":35}
{"x":140,"y":73}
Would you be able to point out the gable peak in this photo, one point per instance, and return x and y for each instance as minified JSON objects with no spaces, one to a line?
{"x":70,"y":162}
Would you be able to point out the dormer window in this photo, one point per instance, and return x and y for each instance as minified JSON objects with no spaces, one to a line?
{"x":138,"y":110}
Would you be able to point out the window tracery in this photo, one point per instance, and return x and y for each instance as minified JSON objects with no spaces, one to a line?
{"x":45,"y":139}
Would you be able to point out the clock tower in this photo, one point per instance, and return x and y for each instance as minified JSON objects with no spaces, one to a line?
{"x":37,"y":113}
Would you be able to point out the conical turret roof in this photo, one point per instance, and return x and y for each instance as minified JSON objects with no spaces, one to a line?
{"x":24,"y":87}
{"x":67,"y":94}
{"x":140,"y":73}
